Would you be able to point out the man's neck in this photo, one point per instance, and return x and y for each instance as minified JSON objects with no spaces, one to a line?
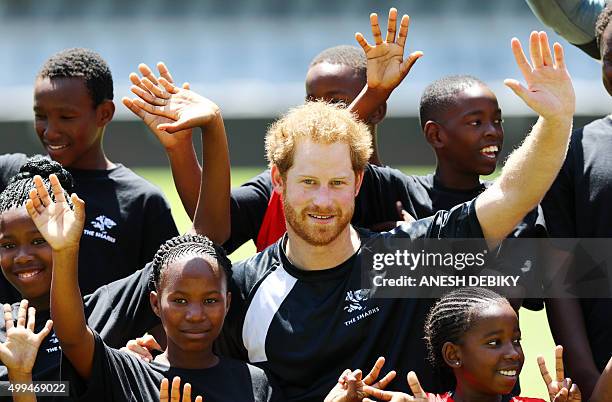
{"x":311,"y":258}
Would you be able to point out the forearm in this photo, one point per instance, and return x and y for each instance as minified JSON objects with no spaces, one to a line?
{"x":21,"y":378}
{"x":186,"y":172}
{"x":212,"y":217}
{"x":368,"y":101}
{"x":527,"y":175}
{"x":603,"y":388}
{"x":67,"y":311}
{"x":567,"y":326}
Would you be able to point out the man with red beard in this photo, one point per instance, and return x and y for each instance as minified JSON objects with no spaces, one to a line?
{"x":300,"y":308}
{"x":303,"y":312}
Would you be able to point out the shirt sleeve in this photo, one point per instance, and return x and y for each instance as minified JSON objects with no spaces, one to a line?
{"x":460,"y":222}
{"x":120,"y":311}
{"x":574,"y":20}
{"x":103,"y":373}
{"x":248,"y":204}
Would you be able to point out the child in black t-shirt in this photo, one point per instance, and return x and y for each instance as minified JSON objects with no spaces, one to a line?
{"x":128,"y":218}
{"x":190,"y":296}
{"x":18,"y":352}
{"x":117,"y":311}
{"x":473,"y":338}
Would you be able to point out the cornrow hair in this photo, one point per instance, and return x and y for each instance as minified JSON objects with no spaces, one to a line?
{"x":345,"y":55}
{"x":17,"y":191}
{"x":183,"y":245}
{"x":449,"y":319}
{"x":441,"y":94}
{"x":85,"y":64}
{"x":603,"y":20}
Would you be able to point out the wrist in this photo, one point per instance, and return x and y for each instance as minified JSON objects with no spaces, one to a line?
{"x":19,"y":375}
{"x":180,"y":145}
{"x":378,"y":93}
{"x":214,"y":123}
{"x":67,"y":250}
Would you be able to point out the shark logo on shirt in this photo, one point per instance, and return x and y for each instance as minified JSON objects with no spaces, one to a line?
{"x":102,"y":223}
{"x":100,"y":227}
{"x":354,"y":298}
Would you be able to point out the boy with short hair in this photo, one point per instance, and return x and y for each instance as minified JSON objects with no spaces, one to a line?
{"x":127,"y":217}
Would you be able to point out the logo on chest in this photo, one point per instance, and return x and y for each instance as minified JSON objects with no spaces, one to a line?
{"x":355,"y":300}
{"x":100,"y":227}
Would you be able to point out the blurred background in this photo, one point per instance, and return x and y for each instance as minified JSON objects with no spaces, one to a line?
{"x":251,"y":57}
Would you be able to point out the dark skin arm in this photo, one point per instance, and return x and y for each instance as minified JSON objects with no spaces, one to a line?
{"x":603,"y":388}
{"x":566,"y":322}
{"x":62,"y":227}
{"x":185,"y":110}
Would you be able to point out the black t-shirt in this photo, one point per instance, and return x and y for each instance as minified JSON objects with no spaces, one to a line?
{"x":296,"y":323}
{"x":127,"y":219}
{"x":382,"y":187}
{"x":518,"y":255}
{"x":119,"y":311}
{"x":578,"y":206}
{"x":118,"y":376}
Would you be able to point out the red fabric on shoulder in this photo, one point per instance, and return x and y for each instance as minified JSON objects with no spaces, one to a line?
{"x":273,"y":225}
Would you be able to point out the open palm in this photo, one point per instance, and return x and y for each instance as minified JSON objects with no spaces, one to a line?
{"x":386,"y":66}
{"x":549,"y":90}
{"x":18,"y":352}
{"x":60,"y":226}
{"x":152,"y":120}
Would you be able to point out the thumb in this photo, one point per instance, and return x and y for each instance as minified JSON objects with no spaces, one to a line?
{"x":173,"y":127}
{"x":518,"y":89}
{"x":409,"y":62}
{"x":79,"y":207}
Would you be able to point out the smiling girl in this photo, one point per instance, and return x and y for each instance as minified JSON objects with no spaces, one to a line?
{"x":26,"y":261}
{"x":190,"y":296}
{"x":474,"y":341}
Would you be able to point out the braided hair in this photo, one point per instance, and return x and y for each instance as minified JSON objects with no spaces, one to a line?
{"x":449,"y":319}
{"x":17,"y":191}
{"x":186,"y":245}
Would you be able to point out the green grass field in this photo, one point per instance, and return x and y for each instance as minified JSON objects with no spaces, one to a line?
{"x":535,"y":331}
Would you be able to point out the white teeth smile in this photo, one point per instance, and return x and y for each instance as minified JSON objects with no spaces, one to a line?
{"x":56,"y":147}
{"x":29,"y":274}
{"x":321,"y":216}
{"x":492,"y":148}
{"x":508,"y":373}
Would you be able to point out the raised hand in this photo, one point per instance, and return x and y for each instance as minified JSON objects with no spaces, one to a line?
{"x":184,"y":108}
{"x":549,"y":90}
{"x":175,"y":393}
{"x":152,"y":120}
{"x":351,"y":386}
{"x":60,"y":226}
{"x":386,"y":66}
{"x":415,"y":387}
{"x":561,"y":389}
{"x":19,"y":351}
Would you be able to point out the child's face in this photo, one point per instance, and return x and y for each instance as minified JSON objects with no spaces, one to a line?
{"x":25,"y":256}
{"x":333,"y":83}
{"x":472,"y":132}
{"x":192,"y":303}
{"x":66,"y":121}
{"x":490,"y":351}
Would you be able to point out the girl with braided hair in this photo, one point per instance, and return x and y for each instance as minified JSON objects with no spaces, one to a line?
{"x":474,"y":342}
{"x":189,"y":294}
{"x":115,"y":310}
